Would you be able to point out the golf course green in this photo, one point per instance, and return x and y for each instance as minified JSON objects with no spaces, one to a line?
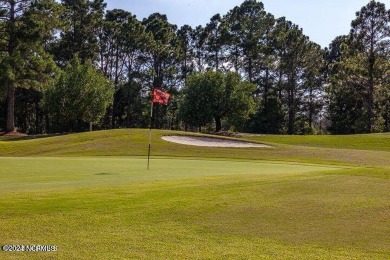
{"x":90,"y":195}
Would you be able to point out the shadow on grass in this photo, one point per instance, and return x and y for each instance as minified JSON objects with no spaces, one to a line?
{"x":28,"y":137}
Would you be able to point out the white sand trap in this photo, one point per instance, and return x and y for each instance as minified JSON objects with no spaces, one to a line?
{"x":210,"y":142}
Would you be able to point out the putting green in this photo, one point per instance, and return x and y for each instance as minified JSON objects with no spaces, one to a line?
{"x":23,"y":174}
{"x":113,"y":208}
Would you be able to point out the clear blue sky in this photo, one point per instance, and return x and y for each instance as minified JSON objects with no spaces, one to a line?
{"x":321,"y":20}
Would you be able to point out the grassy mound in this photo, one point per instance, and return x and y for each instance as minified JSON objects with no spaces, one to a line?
{"x":134,"y":142}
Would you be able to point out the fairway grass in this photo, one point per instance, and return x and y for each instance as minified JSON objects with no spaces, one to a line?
{"x":91,"y":196}
{"x":32,"y":173}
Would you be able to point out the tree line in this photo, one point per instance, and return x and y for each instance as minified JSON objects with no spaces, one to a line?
{"x":64,"y":66}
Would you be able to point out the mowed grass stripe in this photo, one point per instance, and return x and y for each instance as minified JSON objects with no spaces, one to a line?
{"x":279,"y":216}
{"x":34,"y":173}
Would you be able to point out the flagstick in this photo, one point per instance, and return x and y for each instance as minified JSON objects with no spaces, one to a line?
{"x":150,"y":134}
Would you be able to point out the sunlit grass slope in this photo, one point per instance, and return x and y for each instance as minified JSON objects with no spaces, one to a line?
{"x":91,"y":195}
{"x":375,"y":142}
{"x":134,"y":143}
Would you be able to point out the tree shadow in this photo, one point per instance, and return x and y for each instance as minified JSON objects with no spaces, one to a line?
{"x":5,"y":138}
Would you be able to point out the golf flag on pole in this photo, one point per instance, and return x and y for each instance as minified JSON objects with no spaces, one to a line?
{"x":160,"y":97}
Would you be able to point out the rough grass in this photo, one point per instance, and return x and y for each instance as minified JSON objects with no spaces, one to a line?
{"x":90,"y":195}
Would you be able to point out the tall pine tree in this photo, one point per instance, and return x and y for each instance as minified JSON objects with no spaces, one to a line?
{"x":24,"y":62}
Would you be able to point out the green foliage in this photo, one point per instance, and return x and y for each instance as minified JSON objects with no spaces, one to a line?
{"x":248,"y":27}
{"x":216,"y":38}
{"x":132,"y":104}
{"x":29,"y":113}
{"x":123,"y":42}
{"x":162,"y":61}
{"x":196,"y":108}
{"x":240,"y":105}
{"x":82,"y":20}
{"x":269,"y":119}
{"x":217,"y":95}
{"x":24,"y":62}
{"x":290,"y":72}
{"x":163,"y":49}
{"x":186,"y":50}
{"x":345,"y":111}
{"x":299,"y":71}
{"x":383,"y":106}
{"x":80,"y":95}
{"x":357,"y":80}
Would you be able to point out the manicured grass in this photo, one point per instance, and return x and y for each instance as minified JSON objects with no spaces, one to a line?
{"x":134,"y":143}
{"x":113,"y":207}
{"x":29,"y":173}
{"x":90,"y":195}
{"x":374,"y":142}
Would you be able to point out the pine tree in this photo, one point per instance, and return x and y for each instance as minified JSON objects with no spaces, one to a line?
{"x":82,"y":22}
{"x":358,"y":80}
{"x":24,"y":62}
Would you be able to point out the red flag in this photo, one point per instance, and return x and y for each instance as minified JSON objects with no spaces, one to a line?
{"x":160,"y":97}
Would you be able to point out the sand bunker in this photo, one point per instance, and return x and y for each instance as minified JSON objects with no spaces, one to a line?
{"x":210,"y":142}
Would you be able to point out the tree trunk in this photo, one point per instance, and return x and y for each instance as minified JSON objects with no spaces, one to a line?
{"x":185,"y":67}
{"x":128,"y":110}
{"x":291,"y":111}
{"x":370,"y":99}
{"x":216,"y":60}
{"x":236,"y":59}
{"x":266,"y":90}
{"x":116,"y":83}
{"x":311,"y":108}
{"x":266,"y":87}
{"x":173,"y":120}
{"x":37,"y":118}
{"x":291,"y":121}
{"x":218,"y":124}
{"x":47,"y":123}
{"x":114,"y":108}
{"x":250,"y":72}
{"x":10,"y":126}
